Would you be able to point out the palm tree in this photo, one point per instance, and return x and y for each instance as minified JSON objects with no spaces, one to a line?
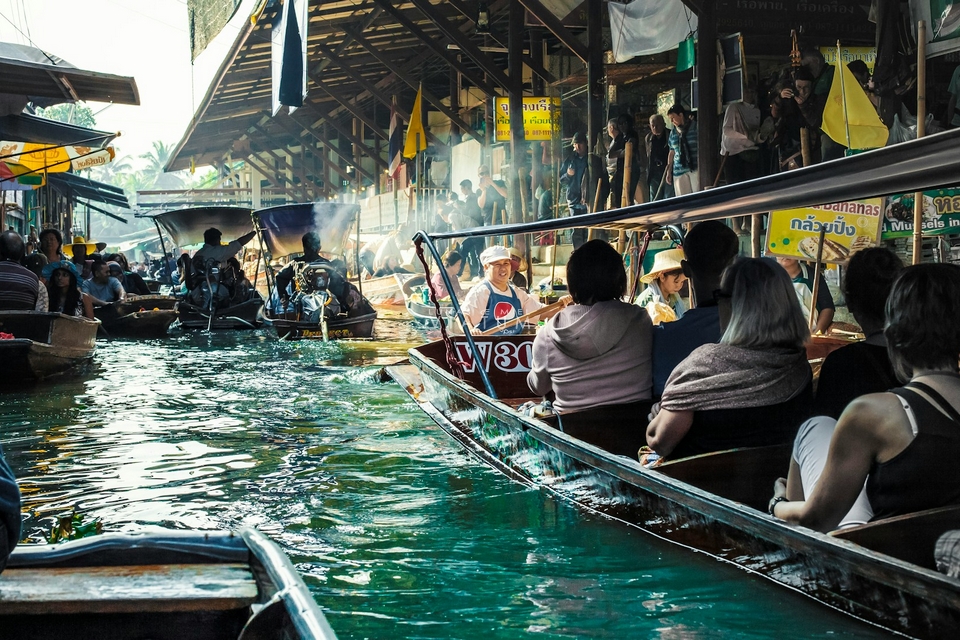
{"x":153,"y":173}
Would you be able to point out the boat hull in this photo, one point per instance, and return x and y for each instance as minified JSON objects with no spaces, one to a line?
{"x":337,"y":329}
{"x":171,"y":586}
{"x":384,"y":291}
{"x":246,"y":315}
{"x":45,"y":344}
{"x":875,"y":587}
{"x":141,"y":317}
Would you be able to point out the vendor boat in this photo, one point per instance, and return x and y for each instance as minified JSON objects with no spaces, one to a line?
{"x":166,"y":586}
{"x":138,"y":317}
{"x":35,"y":345}
{"x":417,"y":300}
{"x":883,"y":572}
{"x":323,"y":305}
{"x":385,"y":291}
{"x":206,"y":308}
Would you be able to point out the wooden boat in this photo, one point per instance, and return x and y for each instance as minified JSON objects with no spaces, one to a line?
{"x":423,"y":312}
{"x":44,"y":344}
{"x":384,"y":291}
{"x":167,"y":586}
{"x":281,"y":230}
{"x":186,"y":227}
{"x":882,"y":572}
{"x":138,"y":317}
{"x":715,"y":503}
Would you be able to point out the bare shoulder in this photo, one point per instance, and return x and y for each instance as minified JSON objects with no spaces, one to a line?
{"x":876,"y":419}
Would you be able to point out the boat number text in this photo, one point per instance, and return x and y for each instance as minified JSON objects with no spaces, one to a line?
{"x":505,"y":356}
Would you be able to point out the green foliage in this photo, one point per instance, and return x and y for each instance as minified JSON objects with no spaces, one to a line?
{"x":72,"y":113}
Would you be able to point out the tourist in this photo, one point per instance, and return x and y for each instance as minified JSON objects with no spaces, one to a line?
{"x":862,"y":367}
{"x":469,"y":216}
{"x":739,"y":137}
{"x":20,"y":288}
{"x":516,"y":269}
{"x":389,"y":265}
{"x":132,"y":283}
{"x":682,"y":162}
{"x":662,"y":298}
{"x":495,"y":301}
{"x":623,"y":132}
{"x":213,"y":250}
{"x":51,"y":243}
{"x":10,"y":513}
{"x":904,"y":444}
{"x":103,"y":288}
{"x":754,"y":387}
{"x":544,"y":196}
{"x":658,"y":152}
{"x":65,"y":294}
{"x":452,"y":264}
{"x":802,"y":277}
{"x":799,"y":97}
{"x":491,"y":197}
{"x":581,"y":173}
{"x":78,"y":252}
{"x":709,"y":248}
{"x":594,"y":356}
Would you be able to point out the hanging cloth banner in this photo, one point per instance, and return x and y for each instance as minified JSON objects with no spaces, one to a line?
{"x":645,"y":27}
{"x":289,"y":56}
{"x":686,"y":54}
{"x":849,"y":117}
{"x":943,"y":24}
{"x":37,"y":157}
{"x":416,"y":136}
{"x":207,"y":18}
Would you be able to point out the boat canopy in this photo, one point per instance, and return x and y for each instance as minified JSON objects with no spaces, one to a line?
{"x":917,"y":165}
{"x":186,"y":226}
{"x":283,"y":227}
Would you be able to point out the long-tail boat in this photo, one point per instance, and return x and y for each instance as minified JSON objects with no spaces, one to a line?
{"x":138,"y":317}
{"x":882,"y":572}
{"x":166,"y":586}
{"x":185,"y":227}
{"x":36,"y":344}
{"x":281,"y":230}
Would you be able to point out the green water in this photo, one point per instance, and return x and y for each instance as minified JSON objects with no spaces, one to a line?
{"x":397,"y":531}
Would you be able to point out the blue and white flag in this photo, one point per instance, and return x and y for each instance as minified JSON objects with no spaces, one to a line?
{"x":396,"y":142}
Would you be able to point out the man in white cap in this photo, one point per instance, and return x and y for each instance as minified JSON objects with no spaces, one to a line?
{"x":495,"y":300}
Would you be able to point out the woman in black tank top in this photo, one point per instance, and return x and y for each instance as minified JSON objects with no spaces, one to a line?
{"x":904,"y":444}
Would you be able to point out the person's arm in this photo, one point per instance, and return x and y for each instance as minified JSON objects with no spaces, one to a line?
{"x":119,"y":292}
{"x":247,"y":237}
{"x":475,"y":305}
{"x":482,"y":197}
{"x":824,"y":320}
{"x":669,"y":167}
{"x":825,"y":306}
{"x":501,"y":189}
{"x":87,"y":302}
{"x":43,"y":299}
{"x":667,"y":429}
{"x":538,"y":378}
{"x":856,"y":443}
{"x":283,"y":280}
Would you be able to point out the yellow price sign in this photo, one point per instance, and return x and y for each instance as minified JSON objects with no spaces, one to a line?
{"x":541,"y":118}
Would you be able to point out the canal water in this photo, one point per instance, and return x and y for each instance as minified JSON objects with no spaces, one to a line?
{"x":397,"y":531}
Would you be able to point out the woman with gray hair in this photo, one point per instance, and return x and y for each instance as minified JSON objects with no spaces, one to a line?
{"x":752,"y":389}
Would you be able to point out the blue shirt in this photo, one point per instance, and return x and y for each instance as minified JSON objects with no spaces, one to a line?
{"x":690,"y":136}
{"x":109,"y":292}
{"x":674,"y":341}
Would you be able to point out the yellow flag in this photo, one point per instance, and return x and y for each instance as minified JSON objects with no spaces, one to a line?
{"x":412,"y":145}
{"x":849,"y":112}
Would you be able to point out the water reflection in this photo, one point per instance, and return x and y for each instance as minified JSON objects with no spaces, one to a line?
{"x":398,"y":532}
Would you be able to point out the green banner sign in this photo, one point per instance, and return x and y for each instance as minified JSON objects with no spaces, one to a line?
{"x":941,"y":214}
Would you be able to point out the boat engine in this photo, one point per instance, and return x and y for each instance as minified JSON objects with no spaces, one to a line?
{"x":313,"y":292}
{"x":211,"y":292}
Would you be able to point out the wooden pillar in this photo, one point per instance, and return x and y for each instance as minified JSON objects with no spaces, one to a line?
{"x":456,"y":135}
{"x":518,"y":141}
{"x":595,"y":79}
{"x":708,"y":123}
{"x":921,"y":131}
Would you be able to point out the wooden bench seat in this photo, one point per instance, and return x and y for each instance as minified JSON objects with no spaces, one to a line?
{"x":127,"y":589}
{"x":910,"y":537}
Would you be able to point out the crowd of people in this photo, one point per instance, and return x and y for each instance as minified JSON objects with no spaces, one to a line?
{"x":874,"y":441}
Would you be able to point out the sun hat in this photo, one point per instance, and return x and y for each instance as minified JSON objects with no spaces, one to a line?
{"x":668,"y":260}
{"x":68,"y":248}
{"x":50,"y":267}
{"x":494,"y":253}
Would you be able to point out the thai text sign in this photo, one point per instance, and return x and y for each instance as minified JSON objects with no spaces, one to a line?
{"x":849,"y":227}
{"x":849,"y":54}
{"x":941,"y":213}
{"x":541,"y":118}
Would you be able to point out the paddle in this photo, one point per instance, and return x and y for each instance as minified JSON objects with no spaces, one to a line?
{"x":559,"y":304}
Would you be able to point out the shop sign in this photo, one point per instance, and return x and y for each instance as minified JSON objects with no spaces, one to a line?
{"x":849,"y":54}
{"x":849,"y":227}
{"x":941,"y":214}
{"x":541,"y":118}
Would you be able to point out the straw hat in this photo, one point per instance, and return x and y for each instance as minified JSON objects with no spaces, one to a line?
{"x":668,"y":260}
{"x":68,"y":248}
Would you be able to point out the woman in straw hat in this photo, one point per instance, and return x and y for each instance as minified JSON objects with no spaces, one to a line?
{"x":662,"y":298}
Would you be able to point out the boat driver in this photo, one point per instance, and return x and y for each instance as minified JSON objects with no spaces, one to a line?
{"x":20,"y":288}
{"x":212,"y":249}
{"x":496,"y":301}
{"x":338,"y":284}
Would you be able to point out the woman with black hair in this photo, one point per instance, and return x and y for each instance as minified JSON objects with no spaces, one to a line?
{"x":65,"y":294}
{"x":905,"y":443}
{"x":594,"y":356}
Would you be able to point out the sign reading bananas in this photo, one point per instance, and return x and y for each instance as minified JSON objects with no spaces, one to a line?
{"x":541,"y":118}
{"x":849,"y":227}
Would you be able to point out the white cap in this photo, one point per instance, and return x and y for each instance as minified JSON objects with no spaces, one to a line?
{"x":494,"y":253}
